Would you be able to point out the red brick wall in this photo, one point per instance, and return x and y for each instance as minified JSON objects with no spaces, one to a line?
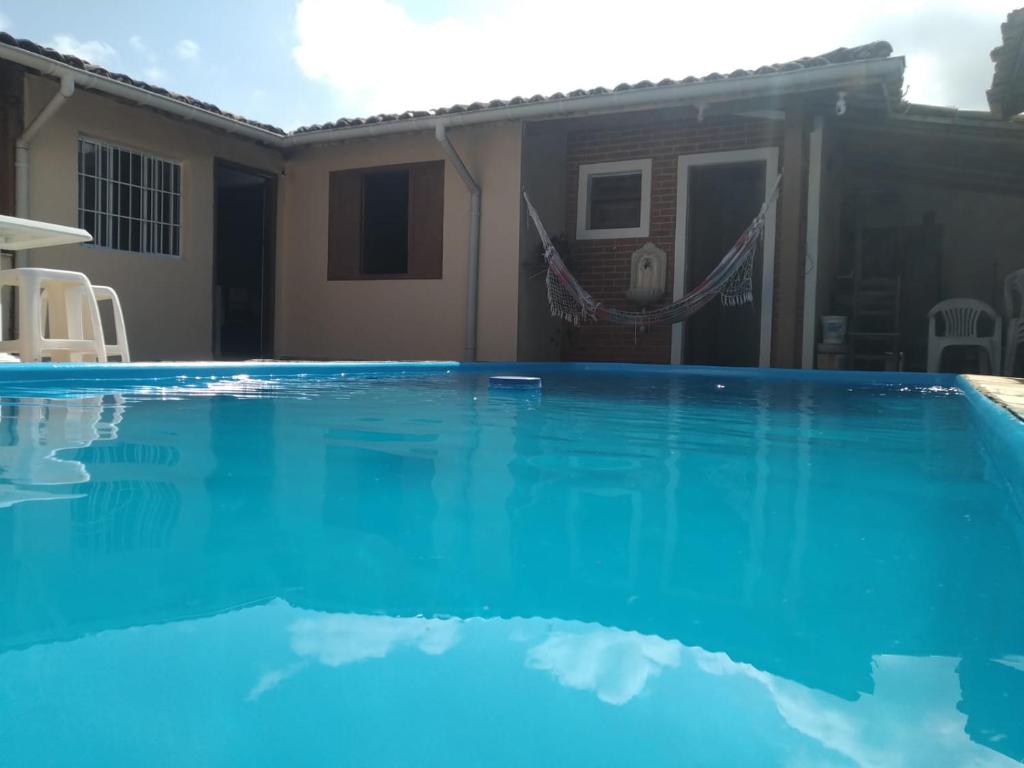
{"x":602,"y":266}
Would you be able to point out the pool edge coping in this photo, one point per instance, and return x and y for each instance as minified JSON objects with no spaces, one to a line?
{"x":1004,"y":391}
{"x":56,"y":373}
{"x":1000,"y":427}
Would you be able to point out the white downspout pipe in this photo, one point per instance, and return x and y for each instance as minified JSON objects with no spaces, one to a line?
{"x":473,"y":268}
{"x":21,"y":147}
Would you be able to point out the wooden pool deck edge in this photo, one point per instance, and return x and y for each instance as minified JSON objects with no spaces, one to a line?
{"x":1002,"y":390}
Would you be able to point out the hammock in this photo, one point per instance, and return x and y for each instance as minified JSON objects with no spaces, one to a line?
{"x":731,"y":279}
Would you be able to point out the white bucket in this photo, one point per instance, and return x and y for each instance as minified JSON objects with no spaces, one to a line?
{"x":833,"y":329}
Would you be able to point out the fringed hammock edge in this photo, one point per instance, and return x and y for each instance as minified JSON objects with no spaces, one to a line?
{"x":731,"y":279}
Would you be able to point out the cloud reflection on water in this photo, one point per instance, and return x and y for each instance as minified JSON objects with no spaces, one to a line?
{"x":615,"y":664}
{"x":911,"y":718}
{"x":345,"y":638}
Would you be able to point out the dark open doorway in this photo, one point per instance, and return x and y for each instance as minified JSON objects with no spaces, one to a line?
{"x":723,"y":200}
{"x":243,"y":275}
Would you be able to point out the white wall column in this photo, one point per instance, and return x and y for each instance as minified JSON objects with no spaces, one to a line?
{"x":811,"y":247}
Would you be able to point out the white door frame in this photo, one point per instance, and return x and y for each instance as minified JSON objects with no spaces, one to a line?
{"x":770,"y":157}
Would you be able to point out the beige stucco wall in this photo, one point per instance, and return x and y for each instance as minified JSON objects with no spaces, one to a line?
{"x":168,"y":302}
{"x":402,"y":319}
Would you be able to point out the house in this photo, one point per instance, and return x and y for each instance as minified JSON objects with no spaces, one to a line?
{"x":404,"y":236}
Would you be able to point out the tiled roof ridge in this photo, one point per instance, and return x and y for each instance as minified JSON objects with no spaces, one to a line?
{"x":876,"y":50}
{"x":93,"y":69}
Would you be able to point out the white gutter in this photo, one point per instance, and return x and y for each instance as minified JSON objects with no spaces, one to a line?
{"x":846,"y":76}
{"x":21,"y":155}
{"x":473,"y":267}
{"x":49,"y":67}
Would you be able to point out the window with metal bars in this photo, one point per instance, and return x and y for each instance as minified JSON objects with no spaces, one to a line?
{"x":127,"y":200}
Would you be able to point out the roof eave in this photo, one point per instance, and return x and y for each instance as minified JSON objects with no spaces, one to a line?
{"x":841,"y":76}
{"x":48,"y":67}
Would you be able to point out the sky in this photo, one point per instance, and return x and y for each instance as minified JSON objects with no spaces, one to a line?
{"x":296,"y":62}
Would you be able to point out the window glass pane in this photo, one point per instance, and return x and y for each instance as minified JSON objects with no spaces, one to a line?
{"x":87,"y":157}
{"x":88,"y":193}
{"x":177,"y":178}
{"x":176,"y":245}
{"x":123,"y":234}
{"x":125,"y":198}
{"x":176,"y":212}
{"x":615,"y":201}
{"x":385,"y":242}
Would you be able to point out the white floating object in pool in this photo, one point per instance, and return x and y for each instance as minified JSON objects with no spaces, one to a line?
{"x":515,"y":382}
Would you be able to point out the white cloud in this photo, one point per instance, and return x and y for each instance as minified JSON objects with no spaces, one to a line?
{"x":911,"y":718}
{"x":337,"y":639}
{"x":151,"y":70}
{"x":343,"y":638}
{"x":187,"y":49}
{"x":272,"y":679}
{"x":5,"y":23}
{"x":613,"y":663}
{"x":1014,"y":661}
{"x":379,"y":58}
{"x":93,"y":51}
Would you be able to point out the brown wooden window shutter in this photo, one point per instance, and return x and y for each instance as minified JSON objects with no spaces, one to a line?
{"x":354,"y":235}
{"x":345,"y":215}
{"x":426,"y":219}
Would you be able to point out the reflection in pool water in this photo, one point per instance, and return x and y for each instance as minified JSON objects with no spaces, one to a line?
{"x":612,"y":663}
{"x":33,"y":430}
{"x":629,"y":570}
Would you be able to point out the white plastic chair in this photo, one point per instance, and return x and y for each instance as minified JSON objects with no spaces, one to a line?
{"x":68,"y":300}
{"x":1013,"y":307}
{"x":100,"y":293}
{"x":960,"y":321}
{"x":1014,"y":338}
{"x":120,"y":346}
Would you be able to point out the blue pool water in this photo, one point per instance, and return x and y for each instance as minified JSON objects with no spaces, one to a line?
{"x":404,"y":567}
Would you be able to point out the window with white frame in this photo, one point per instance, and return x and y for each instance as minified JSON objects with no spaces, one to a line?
{"x":614,"y":200}
{"x":128,"y":200}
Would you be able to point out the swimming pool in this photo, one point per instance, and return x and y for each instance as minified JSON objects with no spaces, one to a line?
{"x":395,"y":565}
